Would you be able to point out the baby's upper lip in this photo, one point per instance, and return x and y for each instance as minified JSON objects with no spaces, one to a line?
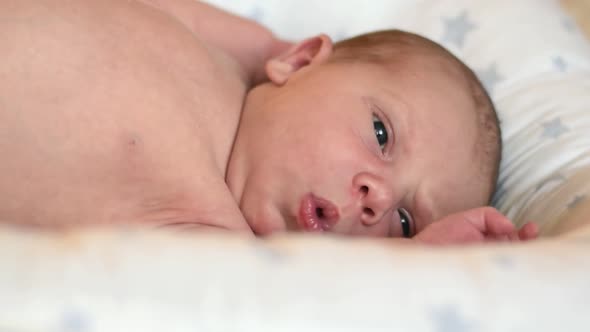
{"x":317,"y":214}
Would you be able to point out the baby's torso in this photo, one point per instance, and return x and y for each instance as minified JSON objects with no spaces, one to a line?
{"x":112,"y":112}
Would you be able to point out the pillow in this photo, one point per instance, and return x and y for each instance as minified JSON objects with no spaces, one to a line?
{"x":535,"y":67}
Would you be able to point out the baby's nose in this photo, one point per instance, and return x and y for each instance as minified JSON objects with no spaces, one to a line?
{"x":372,"y":214}
{"x":375,"y":198}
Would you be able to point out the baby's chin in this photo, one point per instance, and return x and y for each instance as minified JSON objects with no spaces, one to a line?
{"x":265,"y":220}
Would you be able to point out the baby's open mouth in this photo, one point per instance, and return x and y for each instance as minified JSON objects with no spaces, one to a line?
{"x":317,"y":214}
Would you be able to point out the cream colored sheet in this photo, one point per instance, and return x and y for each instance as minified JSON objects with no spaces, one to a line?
{"x":136,"y":281}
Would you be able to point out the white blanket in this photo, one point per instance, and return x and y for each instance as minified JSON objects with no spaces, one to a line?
{"x":132,"y":281}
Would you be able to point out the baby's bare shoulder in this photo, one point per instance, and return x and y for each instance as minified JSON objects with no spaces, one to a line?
{"x":120,"y":114}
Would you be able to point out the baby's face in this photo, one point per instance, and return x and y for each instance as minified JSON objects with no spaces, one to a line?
{"x":357,"y":149}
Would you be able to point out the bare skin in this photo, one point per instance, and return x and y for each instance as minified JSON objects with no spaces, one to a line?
{"x":126,"y":112}
{"x":103,"y":123}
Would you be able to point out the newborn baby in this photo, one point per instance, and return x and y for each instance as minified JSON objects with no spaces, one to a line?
{"x":140,"y":112}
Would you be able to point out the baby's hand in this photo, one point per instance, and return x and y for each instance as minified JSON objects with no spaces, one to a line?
{"x":473,"y":226}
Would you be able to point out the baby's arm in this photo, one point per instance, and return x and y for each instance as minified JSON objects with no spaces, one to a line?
{"x":473,"y":226}
{"x":245,"y":40}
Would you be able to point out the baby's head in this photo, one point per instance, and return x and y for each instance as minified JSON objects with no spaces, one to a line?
{"x":378,"y":135}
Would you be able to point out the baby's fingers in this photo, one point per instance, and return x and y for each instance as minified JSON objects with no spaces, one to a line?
{"x":529,"y":231}
{"x":490,"y":222}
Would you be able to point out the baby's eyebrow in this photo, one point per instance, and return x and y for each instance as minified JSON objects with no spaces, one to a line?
{"x":369,"y":101}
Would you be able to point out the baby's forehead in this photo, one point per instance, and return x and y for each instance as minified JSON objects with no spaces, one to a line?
{"x":403,"y":54}
{"x":428,"y":77}
{"x":430,"y":65}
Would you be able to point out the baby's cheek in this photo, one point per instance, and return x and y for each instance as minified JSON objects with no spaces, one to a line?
{"x":379,"y":230}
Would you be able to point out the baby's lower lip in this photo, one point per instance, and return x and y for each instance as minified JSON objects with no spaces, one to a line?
{"x":317,"y":214}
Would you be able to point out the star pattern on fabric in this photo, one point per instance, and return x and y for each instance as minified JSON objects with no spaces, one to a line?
{"x":256,"y":14}
{"x":569,"y":24}
{"x":560,"y":63}
{"x":75,"y":321}
{"x":576,"y":201}
{"x":269,"y":254}
{"x":504,"y":261}
{"x":490,"y":77}
{"x":457,"y":29}
{"x":554,"y":129}
{"x":448,"y":319}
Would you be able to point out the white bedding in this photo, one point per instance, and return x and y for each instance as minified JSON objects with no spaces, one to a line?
{"x":537,"y":66}
{"x":133,"y":281}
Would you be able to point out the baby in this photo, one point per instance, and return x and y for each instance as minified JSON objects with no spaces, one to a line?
{"x":140,"y":112}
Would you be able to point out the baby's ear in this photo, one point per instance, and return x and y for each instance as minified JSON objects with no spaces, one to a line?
{"x":313,"y":50}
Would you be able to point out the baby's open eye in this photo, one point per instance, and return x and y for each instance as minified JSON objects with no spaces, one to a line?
{"x":406,"y":222}
{"x":380,"y":132}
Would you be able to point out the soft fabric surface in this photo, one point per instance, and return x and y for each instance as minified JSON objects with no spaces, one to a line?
{"x":132,"y":281}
